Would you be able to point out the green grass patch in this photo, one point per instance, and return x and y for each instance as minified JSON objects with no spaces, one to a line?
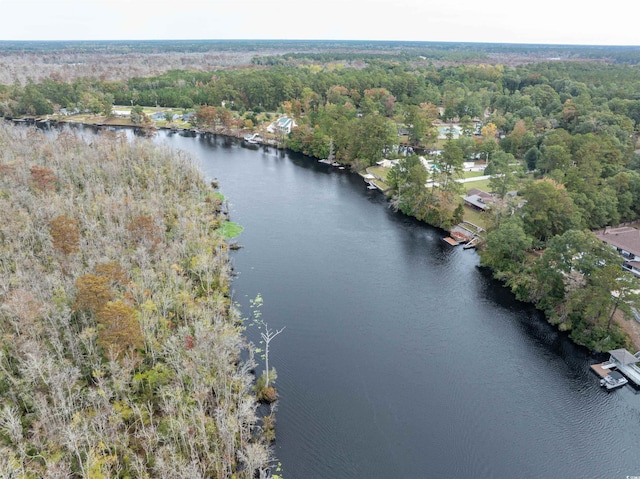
{"x":472,"y":174}
{"x":229,"y":229}
{"x":218,"y":195}
{"x":480,"y":184}
{"x":379,"y":171}
{"x":381,"y":184}
{"x":476,"y":217}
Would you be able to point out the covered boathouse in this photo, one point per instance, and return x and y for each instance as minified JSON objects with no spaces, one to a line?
{"x":625,"y":362}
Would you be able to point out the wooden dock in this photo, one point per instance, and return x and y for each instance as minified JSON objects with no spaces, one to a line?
{"x":601,"y":371}
{"x":451,"y":241}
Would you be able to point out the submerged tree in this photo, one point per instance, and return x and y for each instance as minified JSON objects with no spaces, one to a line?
{"x":264,"y":389}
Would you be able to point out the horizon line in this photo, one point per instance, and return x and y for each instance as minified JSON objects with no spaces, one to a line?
{"x":318,"y":40}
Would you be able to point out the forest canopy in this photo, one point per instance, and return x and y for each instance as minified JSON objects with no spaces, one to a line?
{"x":120,"y":351}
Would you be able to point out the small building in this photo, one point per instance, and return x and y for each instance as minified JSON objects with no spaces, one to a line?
{"x":121,"y":113}
{"x":626,"y":240}
{"x":387,"y":163}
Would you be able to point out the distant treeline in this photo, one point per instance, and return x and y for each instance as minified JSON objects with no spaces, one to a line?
{"x":339,"y":49}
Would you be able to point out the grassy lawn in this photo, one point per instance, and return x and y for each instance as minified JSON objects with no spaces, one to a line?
{"x":379,"y":171}
{"x":381,"y":184}
{"x":471,"y":174}
{"x":480,"y":184}
{"x":476,"y":217}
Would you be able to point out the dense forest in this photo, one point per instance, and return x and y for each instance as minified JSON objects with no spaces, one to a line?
{"x":555,"y":126}
{"x":120,"y":350}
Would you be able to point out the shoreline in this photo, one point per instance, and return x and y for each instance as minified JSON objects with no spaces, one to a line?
{"x":631,"y":330}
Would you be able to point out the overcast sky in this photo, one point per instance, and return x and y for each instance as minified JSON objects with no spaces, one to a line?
{"x":540,"y":21}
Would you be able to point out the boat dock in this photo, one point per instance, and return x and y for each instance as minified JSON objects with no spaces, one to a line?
{"x":602,"y":369}
{"x":624,"y":362}
{"x":465,"y":233}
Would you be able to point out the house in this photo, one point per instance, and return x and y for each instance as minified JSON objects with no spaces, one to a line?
{"x":478,"y":199}
{"x":444,"y":131}
{"x":387,"y":163}
{"x":121,"y":113}
{"x":283,"y":126}
{"x":626,"y":240}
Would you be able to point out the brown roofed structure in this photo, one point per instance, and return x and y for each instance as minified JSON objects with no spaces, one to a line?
{"x":625,"y":237}
{"x":479,"y":199}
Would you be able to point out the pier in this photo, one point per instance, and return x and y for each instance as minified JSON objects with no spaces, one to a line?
{"x":623,"y":361}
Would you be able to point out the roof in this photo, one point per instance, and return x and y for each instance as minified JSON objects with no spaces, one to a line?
{"x":387,"y":163}
{"x":477,"y":201}
{"x":480,"y":193}
{"x":284,"y":122}
{"x":626,"y":238}
{"x":623,"y":356}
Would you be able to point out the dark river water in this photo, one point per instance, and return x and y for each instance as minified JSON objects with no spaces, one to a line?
{"x":400,"y":357}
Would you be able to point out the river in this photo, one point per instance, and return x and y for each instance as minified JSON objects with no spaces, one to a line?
{"x":400,"y":358}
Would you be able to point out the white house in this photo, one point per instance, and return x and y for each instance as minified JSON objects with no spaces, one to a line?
{"x":282,"y":125}
{"x":121,"y":113}
{"x":387,"y":163}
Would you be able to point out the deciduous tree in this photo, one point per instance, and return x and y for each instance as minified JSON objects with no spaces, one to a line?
{"x":65,"y":234}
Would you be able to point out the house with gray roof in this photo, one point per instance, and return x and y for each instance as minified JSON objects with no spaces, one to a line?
{"x":479,"y":199}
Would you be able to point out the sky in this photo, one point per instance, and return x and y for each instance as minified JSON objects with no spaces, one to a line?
{"x":497,"y":21}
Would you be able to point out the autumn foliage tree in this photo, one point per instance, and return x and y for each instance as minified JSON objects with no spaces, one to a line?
{"x":119,"y":330}
{"x":65,"y":234}
{"x":114,"y":272}
{"x":93,"y":293}
{"x":43,"y":178}
{"x":144,"y":231}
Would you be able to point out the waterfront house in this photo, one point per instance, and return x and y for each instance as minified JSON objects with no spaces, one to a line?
{"x":626,"y":240}
{"x":282,"y":125}
{"x":478,"y":199}
{"x":387,"y":163}
{"x":121,"y":113}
